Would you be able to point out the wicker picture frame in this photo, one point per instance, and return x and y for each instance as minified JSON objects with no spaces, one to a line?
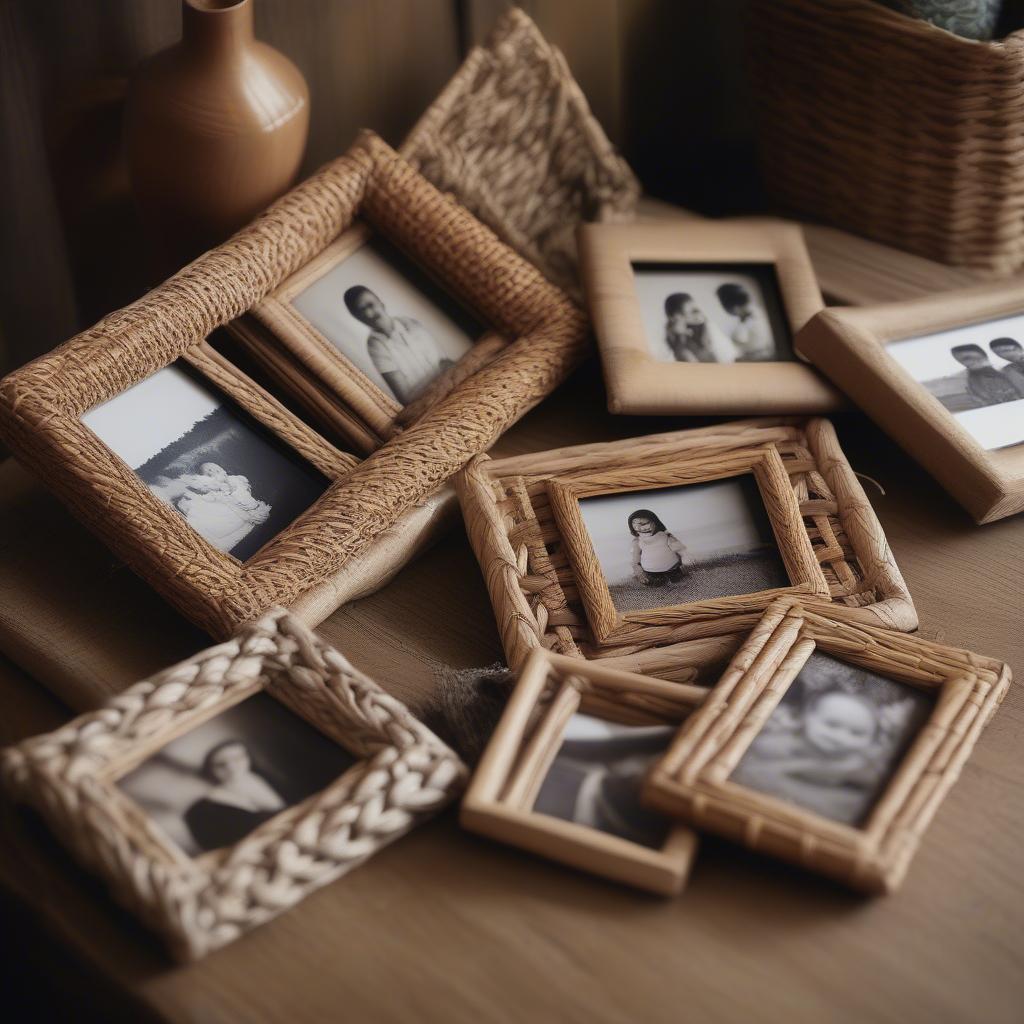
{"x":41,"y":404}
{"x":607,"y":622}
{"x":531,"y":585}
{"x":850,"y":347}
{"x":692,"y":780}
{"x":403,"y":774}
{"x":499,"y":802}
{"x":512,"y":98}
{"x":637,"y":381}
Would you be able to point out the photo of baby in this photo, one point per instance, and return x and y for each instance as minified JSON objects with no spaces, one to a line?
{"x":712,"y":314}
{"x":232,"y":481}
{"x":386,"y":317}
{"x":977,"y":373}
{"x":596,"y":777}
{"x":660,"y":548}
{"x":834,"y":740}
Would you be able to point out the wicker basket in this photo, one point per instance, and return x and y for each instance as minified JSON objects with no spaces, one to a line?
{"x":891,"y":128}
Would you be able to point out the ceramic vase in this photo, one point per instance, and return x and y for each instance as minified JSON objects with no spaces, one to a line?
{"x":216,"y":128}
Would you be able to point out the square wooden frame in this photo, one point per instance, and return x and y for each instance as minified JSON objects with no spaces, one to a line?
{"x":691,"y":781}
{"x":404,"y":773}
{"x":499,"y":801}
{"x":639,"y":383}
{"x":41,"y":404}
{"x":532,"y":586}
{"x":849,"y":346}
{"x":764,"y":464}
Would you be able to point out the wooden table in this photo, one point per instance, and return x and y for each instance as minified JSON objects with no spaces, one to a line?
{"x":446,"y":926}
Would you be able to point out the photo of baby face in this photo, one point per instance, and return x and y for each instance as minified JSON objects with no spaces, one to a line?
{"x":834,"y":740}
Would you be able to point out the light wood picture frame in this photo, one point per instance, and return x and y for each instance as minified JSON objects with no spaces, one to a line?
{"x":353,"y":392}
{"x":532,"y":585}
{"x":500,"y":800}
{"x":694,"y":780}
{"x":393,"y":774}
{"x":42,"y":403}
{"x":853,"y":347}
{"x":771,"y":254}
{"x":773,"y":488}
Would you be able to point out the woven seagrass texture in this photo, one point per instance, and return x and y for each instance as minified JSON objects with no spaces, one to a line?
{"x":692,"y":780}
{"x":404,"y":774}
{"x":531,"y":584}
{"x":513,"y":137}
{"x":41,"y":403}
{"x":889,"y":127}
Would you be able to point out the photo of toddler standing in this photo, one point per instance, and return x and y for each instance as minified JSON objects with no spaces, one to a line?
{"x":657,"y":554}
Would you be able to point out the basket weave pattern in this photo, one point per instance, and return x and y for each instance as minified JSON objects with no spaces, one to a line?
{"x":531,"y":583}
{"x":513,"y":137}
{"x":889,"y":127}
{"x":406,"y":774}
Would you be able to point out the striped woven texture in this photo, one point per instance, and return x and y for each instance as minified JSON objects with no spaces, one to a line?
{"x":886,"y":126}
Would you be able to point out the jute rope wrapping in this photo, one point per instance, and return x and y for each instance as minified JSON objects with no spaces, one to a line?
{"x":405,"y":773}
{"x":513,"y":137}
{"x":889,"y":127}
{"x":691,"y":780}
{"x":41,"y":403}
{"x":531,"y":584}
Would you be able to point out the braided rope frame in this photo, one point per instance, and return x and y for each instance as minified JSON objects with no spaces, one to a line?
{"x":405,"y":774}
{"x":512,"y":135}
{"x":532,"y":588}
{"x":41,"y":404}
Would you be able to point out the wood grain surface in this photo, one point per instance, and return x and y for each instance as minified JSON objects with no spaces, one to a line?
{"x":451,"y":927}
{"x":446,"y":926}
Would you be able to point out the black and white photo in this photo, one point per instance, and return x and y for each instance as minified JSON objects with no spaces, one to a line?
{"x":388,"y":319}
{"x":712,"y":313}
{"x":215,"y":784}
{"x":834,"y":740}
{"x":235,"y":484}
{"x":597,"y":774}
{"x":977,"y":373}
{"x":675,"y":545}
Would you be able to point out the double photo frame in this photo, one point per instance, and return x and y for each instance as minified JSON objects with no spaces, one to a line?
{"x":699,"y":317}
{"x":179,"y":532}
{"x":225,"y":789}
{"x":943,"y":375}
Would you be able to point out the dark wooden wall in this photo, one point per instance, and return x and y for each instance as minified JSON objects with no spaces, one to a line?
{"x":70,"y":247}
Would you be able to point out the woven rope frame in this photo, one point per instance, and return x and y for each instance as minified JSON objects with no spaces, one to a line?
{"x":889,"y":127}
{"x":41,"y":403}
{"x":531,"y":585}
{"x":405,"y":774}
{"x":691,"y":781}
{"x":513,"y":137}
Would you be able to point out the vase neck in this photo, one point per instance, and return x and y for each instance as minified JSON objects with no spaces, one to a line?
{"x":216,"y":25}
